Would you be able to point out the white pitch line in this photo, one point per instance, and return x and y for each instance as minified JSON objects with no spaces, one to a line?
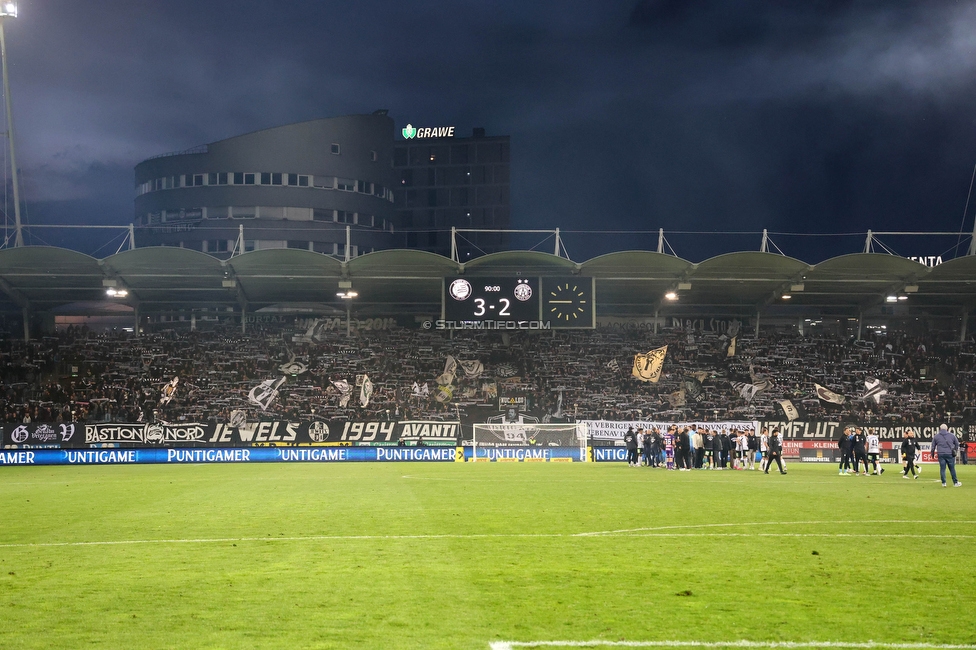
{"x":304,"y":538}
{"x":770,"y":523}
{"x":634,"y":532}
{"x":511,"y":645}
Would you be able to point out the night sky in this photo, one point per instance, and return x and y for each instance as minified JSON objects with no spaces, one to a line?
{"x":823,"y":116}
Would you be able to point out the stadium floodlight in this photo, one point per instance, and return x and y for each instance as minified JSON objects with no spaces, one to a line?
{"x":8,"y":10}
{"x":116,"y":293}
{"x":786,"y":296}
{"x":891,"y":299}
{"x":347,"y":293}
{"x":671,"y":295}
{"x":902,"y":297}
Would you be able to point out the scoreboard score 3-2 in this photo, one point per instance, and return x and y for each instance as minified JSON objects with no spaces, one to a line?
{"x":491,"y":299}
{"x":519,"y":302}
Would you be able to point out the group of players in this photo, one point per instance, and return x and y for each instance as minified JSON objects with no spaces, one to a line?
{"x":688,"y":448}
{"x":857,"y":447}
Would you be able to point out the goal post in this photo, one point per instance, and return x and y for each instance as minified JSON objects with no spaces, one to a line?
{"x":529,"y":442}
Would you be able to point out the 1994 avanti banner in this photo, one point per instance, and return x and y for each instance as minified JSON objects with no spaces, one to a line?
{"x":256,"y":434}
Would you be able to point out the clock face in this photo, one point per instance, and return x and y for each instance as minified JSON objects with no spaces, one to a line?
{"x":568,"y":302}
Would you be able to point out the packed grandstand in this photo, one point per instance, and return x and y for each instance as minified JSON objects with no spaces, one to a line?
{"x":78,"y":375}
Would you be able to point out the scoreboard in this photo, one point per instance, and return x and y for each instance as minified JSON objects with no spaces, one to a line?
{"x":566,"y":302}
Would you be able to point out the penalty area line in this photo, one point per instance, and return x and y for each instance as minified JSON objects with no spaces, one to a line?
{"x":511,"y":645}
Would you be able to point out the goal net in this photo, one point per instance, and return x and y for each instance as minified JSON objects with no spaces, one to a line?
{"x":529,"y":441}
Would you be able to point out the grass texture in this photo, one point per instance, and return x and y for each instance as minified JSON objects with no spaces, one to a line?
{"x":460,"y":555}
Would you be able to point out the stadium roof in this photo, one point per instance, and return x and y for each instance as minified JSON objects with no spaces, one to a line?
{"x":408,"y":281}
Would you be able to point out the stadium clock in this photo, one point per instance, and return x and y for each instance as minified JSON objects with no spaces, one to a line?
{"x":568,"y":302}
{"x":497,"y":299}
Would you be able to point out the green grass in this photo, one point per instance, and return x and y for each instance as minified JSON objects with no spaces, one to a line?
{"x":509,"y":565}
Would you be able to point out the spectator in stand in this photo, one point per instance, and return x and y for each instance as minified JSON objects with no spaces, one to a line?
{"x":945,"y":445}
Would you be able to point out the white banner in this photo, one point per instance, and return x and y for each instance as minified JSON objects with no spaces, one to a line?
{"x":607,"y":430}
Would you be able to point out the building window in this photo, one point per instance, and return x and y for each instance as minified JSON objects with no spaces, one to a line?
{"x":323,"y":215}
{"x":302,"y":181}
{"x":334,"y":148}
{"x":346,"y":184}
{"x":249,"y":179}
{"x":215,"y":246}
{"x":238,"y":178}
{"x":364,"y":187}
{"x":292,"y":180}
{"x":266,"y":178}
{"x":325,"y":182}
{"x":343,"y":216}
{"x":275,"y":179}
{"x":221,"y":178}
{"x":301,"y":245}
{"x":198,"y":179}
{"x":212,"y":178}
{"x":250,"y":245}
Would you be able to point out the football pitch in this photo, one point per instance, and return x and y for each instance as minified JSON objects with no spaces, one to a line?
{"x":480,"y":556}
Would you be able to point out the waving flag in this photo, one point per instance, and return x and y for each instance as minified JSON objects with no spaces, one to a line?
{"x":265,"y":393}
{"x":366,"y":391}
{"x":647,"y":367}
{"x":828,"y":395}
{"x":873,"y":389}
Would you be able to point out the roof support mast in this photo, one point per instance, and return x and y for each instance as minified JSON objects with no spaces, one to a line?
{"x":9,"y":10}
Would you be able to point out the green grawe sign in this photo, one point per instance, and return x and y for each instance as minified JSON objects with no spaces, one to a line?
{"x":410,"y":132}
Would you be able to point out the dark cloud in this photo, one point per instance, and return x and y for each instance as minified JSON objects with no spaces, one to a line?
{"x":695,"y":115}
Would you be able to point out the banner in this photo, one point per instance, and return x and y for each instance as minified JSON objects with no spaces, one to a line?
{"x":43,"y":435}
{"x":604,"y":430}
{"x":832,"y":429}
{"x":239,"y":434}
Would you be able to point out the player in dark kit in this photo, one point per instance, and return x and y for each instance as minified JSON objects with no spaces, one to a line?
{"x":909,"y":449}
{"x":775,"y":452}
{"x":844,"y":444}
{"x":860,"y":450}
{"x":630,"y":439}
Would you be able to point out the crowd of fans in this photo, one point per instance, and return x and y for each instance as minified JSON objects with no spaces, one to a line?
{"x":82,"y":376}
